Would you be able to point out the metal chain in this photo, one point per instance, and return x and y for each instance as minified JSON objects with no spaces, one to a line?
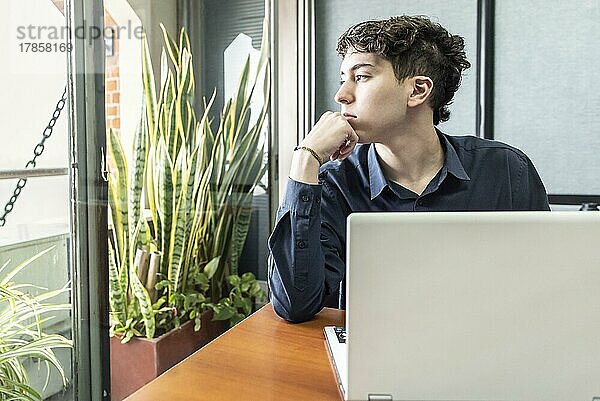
{"x":37,"y":151}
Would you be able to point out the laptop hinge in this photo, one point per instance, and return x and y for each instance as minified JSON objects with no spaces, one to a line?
{"x":380,"y":397}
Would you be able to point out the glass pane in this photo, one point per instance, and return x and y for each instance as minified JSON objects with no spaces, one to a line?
{"x":41,"y":210}
{"x":123,"y":66}
{"x":33,"y":77}
{"x":50,"y":272}
{"x":333,"y":17}
{"x":173,"y":145}
{"x":547,"y":94}
{"x":233,"y":31}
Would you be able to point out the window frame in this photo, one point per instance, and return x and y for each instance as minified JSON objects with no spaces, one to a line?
{"x":486,"y":86}
{"x":294,"y":68}
{"x":295,"y":28}
{"x":89,"y":200}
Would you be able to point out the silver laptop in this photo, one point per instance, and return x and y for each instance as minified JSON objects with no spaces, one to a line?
{"x":471,"y":306}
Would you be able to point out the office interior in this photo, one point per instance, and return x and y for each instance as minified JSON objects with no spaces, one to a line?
{"x":532,"y":84}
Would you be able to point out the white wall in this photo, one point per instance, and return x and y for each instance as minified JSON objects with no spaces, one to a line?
{"x":151,"y":14}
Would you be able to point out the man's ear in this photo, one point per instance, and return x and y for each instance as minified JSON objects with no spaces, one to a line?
{"x":421,"y":90}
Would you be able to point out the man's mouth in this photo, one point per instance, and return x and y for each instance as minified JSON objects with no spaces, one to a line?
{"x":348,"y":116}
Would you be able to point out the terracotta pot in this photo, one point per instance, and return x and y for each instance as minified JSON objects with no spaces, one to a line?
{"x":138,"y":362}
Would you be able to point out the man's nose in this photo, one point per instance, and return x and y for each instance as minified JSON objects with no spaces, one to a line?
{"x":344,"y":94}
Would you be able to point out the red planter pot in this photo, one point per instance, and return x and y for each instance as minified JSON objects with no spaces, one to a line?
{"x":141,"y":360}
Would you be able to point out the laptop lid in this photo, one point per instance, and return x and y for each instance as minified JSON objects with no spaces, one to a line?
{"x":473,"y":306}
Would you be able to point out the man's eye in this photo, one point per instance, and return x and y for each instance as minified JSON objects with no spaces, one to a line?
{"x":360,"y":77}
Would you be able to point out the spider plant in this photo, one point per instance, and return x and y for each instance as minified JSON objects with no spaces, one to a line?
{"x":196,"y":182}
{"x":22,"y":336}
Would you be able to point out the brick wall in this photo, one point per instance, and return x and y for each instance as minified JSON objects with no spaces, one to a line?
{"x":60,"y":4}
{"x":112,"y":95}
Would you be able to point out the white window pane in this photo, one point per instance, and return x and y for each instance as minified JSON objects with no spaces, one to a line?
{"x":40,"y":211}
{"x":547,"y":94}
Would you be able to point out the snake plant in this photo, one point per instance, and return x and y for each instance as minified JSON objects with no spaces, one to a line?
{"x":195,"y":181}
{"x":22,"y":317}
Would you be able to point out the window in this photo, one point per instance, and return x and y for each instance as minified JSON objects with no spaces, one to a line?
{"x":539,"y":92}
{"x":547,"y":95}
{"x":224,"y":34}
{"x":56,"y":210}
{"x":38,"y":218}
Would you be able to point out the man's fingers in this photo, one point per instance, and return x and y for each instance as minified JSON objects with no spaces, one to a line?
{"x":346,"y":150}
{"x":327,"y":131}
{"x":353,"y":137}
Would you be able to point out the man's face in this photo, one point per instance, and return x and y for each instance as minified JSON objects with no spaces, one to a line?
{"x":371,"y":98}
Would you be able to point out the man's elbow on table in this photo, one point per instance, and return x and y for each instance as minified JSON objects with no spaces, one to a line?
{"x":291,"y":315}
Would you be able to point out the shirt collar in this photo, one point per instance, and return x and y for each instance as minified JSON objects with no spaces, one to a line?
{"x":376,"y":178}
{"x":452,"y":165}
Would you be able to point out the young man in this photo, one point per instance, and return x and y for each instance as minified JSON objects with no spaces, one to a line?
{"x":385,"y":154}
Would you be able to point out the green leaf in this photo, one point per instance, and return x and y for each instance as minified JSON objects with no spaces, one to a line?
{"x":166,"y":201}
{"x":171,"y":47}
{"x":138,"y":173}
{"x":235,"y":319}
{"x":5,"y":281}
{"x":248,"y":276}
{"x":116,"y":294}
{"x":255,"y":290}
{"x":149,"y":89}
{"x":211,"y":268}
{"x":162,"y":284}
{"x":223,"y":312}
{"x":247,"y":306}
{"x":144,"y":301}
{"x":23,"y":321}
{"x":128,"y":336}
{"x":118,"y":184}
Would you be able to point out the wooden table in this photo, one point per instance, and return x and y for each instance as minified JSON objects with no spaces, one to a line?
{"x":262,"y":358}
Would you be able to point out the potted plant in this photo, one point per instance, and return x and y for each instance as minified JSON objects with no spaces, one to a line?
{"x":177,"y":263}
{"x":22,"y":336}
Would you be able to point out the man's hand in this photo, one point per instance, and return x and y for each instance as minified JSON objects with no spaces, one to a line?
{"x":331,"y":138}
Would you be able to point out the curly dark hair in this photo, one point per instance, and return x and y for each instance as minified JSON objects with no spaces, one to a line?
{"x":415,"y":46}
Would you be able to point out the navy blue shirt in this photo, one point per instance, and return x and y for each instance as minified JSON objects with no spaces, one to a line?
{"x":308,"y":243}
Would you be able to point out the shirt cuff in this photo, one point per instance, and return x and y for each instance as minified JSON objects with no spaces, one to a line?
{"x":301,"y":199}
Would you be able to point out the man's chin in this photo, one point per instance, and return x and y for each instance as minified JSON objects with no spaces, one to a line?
{"x":363,"y":137}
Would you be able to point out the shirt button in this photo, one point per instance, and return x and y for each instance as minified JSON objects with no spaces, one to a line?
{"x":305,"y":198}
{"x":301,"y":244}
{"x":420,"y":202}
